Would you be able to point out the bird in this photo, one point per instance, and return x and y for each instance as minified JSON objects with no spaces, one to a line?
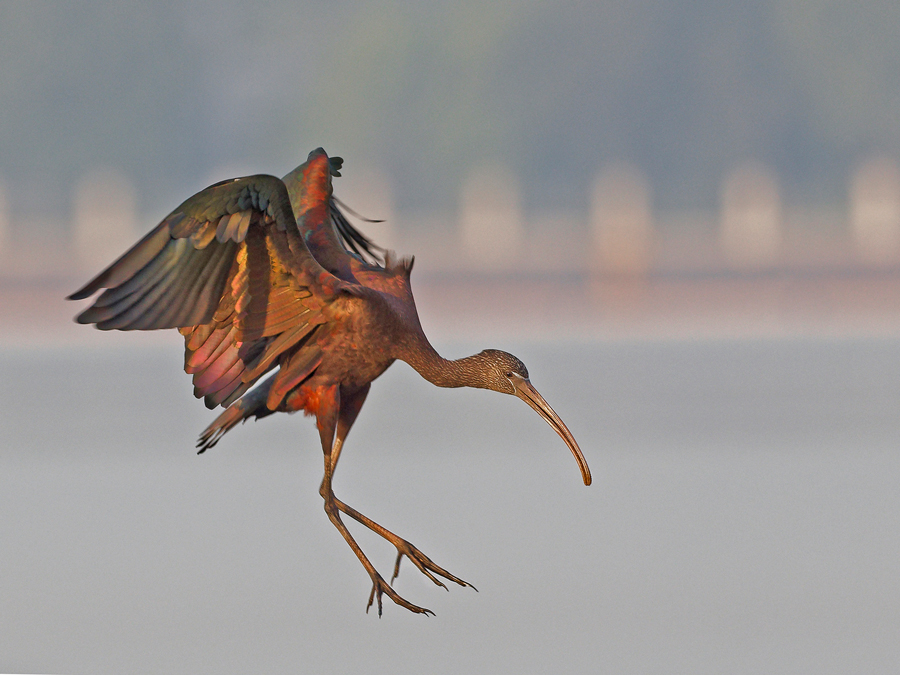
{"x":285,"y":306}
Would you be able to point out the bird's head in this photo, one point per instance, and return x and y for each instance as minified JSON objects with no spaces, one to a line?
{"x":505,"y":373}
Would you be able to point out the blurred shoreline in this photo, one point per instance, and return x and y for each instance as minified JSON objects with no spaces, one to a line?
{"x":556,"y":307}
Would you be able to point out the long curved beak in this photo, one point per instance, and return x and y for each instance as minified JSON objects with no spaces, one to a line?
{"x":526,"y":392}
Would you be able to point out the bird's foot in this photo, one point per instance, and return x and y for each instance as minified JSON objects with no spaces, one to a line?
{"x":404,"y":549}
{"x":380,"y":586}
{"x":424,"y":564}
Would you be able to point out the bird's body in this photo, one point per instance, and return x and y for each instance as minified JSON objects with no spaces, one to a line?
{"x":272,"y":287}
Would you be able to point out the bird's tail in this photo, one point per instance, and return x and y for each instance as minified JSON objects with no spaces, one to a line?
{"x":251,"y":404}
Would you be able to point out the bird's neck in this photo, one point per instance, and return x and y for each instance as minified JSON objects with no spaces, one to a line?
{"x":465,"y":372}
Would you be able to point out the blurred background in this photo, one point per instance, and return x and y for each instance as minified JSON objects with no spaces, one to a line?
{"x":739,"y":160}
{"x":683,"y":216}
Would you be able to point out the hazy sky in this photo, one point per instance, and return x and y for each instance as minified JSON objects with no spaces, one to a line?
{"x":175,"y":95}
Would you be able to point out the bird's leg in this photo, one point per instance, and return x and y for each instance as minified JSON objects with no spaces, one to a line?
{"x":350,"y":405}
{"x":327,"y":418}
{"x":404,"y":548}
{"x":349,"y":410}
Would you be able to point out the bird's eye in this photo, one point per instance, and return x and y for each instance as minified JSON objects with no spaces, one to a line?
{"x":509,"y":373}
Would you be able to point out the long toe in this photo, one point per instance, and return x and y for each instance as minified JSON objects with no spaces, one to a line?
{"x":424,"y":564}
{"x":379,"y":587}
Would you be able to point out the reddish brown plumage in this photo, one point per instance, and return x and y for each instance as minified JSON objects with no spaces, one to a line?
{"x":256,"y":275}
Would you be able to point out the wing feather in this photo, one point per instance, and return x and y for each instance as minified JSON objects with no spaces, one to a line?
{"x":210,"y":286}
{"x":226,"y":393}
{"x":230,"y":269}
{"x":276,"y":347}
{"x":225,"y":398}
{"x":203,"y":236}
{"x":221,"y":372}
{"x":176,"y":287}
{"x":125,"y":314}
{"x":301,"y":364}
{"x":209,"y":350}
{"x":129,"y":264}
{"x":146,"y":278}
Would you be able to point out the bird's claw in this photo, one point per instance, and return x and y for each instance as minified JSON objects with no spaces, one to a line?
{"x":424,"y":564}
{"x":379,"y":587}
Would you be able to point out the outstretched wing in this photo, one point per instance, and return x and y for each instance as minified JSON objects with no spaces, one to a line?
{"x":334,"y":235}
{"x":229,"y":269}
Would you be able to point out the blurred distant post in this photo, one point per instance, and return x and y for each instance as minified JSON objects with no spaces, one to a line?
{"x":4,"y":222}
{"x":751,"y":218}
{"x":368,"y":190}
{"x":491,"y":218}
{"x":621,"y":222}
{"x":875,"y":211}
{"x":104,"y":218}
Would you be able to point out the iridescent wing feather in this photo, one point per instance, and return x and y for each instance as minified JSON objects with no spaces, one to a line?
{"x":230,"y":270}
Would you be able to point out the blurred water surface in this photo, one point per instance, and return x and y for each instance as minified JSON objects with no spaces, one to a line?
{"x":744,"y":517}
